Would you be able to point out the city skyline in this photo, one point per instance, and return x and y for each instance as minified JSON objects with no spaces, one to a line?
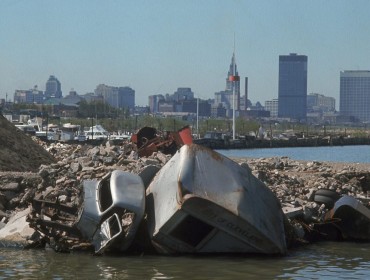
{"x":157,"y":47}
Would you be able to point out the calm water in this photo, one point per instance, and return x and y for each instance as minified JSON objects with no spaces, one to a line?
{"x":325,"y":260}
{"x":335,"y":153}
{"x":318,"y":261}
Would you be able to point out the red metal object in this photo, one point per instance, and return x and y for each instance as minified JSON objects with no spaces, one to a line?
{"x":148,"y":140}
{"x":185,"y":135}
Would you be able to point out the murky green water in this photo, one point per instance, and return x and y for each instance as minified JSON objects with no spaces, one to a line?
{"x":318,"y":261}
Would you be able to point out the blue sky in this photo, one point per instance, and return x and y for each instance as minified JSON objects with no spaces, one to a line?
{"x":157,"y":46}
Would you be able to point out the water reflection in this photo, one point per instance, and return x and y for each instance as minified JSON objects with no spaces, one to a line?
{"x":322,"y":260}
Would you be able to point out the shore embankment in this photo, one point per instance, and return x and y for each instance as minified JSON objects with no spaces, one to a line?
{"x":293,"y":182}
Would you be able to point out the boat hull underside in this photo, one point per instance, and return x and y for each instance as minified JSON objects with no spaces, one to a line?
{"x":201,"y":188}
{"x":201,"y":226}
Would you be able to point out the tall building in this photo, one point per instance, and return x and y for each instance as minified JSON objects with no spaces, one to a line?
{"x":272,"y":106}
{"x":183,"y":94}
{"x":292,"y":86}
{"x":225,"y":98}
{"x":118,"y":97}
{"x":233,"y":84}
{"x":320,"y":103}
{"x":31,"y":96}
{"x":53,"y":88}
{"x":355,"y":94}
{"x":154,"y":101}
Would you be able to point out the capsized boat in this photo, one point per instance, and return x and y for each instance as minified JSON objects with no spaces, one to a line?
{"x":351,"y":217}
{"x":113,"y":210}
{"x":203,"y":202}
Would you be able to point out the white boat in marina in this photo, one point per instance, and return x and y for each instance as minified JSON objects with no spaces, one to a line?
{"x":120,"y":136}
{"x":203,"y":202}
{"x":96,"y":132}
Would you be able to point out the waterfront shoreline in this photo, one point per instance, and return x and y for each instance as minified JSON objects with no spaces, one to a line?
{"x":294,"y":182}
{"x":254,"y":143}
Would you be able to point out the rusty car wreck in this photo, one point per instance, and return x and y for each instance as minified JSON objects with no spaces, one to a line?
{"x":110,"y":213}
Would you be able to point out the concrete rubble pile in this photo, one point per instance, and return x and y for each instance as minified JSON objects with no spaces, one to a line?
{"x":62,"y":180}
{"x":294,"y":183}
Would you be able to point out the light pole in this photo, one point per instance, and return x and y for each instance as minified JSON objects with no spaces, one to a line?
{"x":198,"y":117}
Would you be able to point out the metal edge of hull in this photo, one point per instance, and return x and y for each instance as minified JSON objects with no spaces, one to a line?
{"x":167,"y":196}
{"x":195,"y":227}
{"x":353,"y":218}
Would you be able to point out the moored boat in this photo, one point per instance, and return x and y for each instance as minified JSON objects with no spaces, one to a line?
{"x":203,"y":202}
{"x":96,"y":132}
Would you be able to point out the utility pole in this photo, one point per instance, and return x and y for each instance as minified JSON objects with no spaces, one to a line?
{"x":198,"y":117}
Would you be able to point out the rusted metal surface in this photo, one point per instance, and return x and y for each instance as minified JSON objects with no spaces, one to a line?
{"x":203,"y":202}
{"x":148,"y":140}
{"x":56,"y":223}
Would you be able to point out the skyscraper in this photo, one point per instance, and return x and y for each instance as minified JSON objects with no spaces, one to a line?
{"x":53,"y":88}
{"x":232,"y":84}
{"x":355,"y":94}
{"x":225,"y":98}
{"x":293,"y":86}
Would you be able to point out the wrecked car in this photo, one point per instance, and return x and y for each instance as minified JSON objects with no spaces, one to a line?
{"x":107,"y":220}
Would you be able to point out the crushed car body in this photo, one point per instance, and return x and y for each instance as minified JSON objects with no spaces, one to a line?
{"x":112,"y":211}
{"x":107,"y":220}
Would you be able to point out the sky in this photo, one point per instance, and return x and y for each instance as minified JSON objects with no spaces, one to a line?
{"x":158,"y":46}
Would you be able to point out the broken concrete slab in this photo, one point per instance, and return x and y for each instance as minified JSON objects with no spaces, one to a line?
{"x":17,"y":232}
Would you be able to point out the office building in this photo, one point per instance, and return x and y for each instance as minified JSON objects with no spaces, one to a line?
{"x":31,"y":96}
{"x":232,"y":92}
{"x":183,"y":94}
{"x":355,"y":95}
{"x":233,"y":83}
{"x":272,"y":107}
{"x":53,"y":88}
{"x":118,"y":97}
{"x":154,"y":101}
{"x":320,"y":103}
{"x":292,"y":86}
